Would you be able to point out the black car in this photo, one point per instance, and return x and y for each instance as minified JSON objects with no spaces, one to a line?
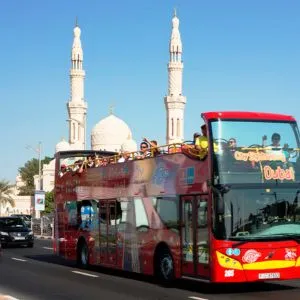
{"x":13,"y":231}
{"x":25,"y":218}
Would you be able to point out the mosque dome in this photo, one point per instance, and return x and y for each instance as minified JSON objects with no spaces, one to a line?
{"x":63,"y":145}
{"x":109,"y":134}
{"x":129,"y":145}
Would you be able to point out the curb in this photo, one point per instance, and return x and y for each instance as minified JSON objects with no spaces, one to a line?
{"x":41,"y":237}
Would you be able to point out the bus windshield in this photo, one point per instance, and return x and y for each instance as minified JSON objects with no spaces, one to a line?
{"x":260,"y":213}
{"x":255,"y":151}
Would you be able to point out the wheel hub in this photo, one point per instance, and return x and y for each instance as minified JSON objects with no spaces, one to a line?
{"x":166,"y":266}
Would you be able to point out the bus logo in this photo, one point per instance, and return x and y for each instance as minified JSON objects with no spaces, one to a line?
{"x":251,"y":256}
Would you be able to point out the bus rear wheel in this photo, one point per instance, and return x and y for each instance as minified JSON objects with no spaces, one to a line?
{"x":83,"y":255}
{"x":164,"y":266}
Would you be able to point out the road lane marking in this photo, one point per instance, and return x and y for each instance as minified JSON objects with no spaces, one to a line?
{"x":85,"y":274}
{"x":18,"y":259}
{"x":197,"y":298}
{"x":48,"y":248}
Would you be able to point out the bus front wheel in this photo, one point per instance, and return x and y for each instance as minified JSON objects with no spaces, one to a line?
{"x":83,"y":255}
{"x":164,"y":266}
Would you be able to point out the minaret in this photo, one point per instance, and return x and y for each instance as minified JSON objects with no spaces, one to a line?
{"x":174,"y":101}
{"x":77,"y":107}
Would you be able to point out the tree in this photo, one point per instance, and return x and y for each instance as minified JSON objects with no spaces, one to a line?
{"x":27,"y":172}
{"x":49,"y":203}
{"x":5,"y":194}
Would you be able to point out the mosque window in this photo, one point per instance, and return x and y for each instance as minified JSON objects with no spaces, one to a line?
{"x":73,"y":130}
{"x":178,"y":127}
{"x":172,"y":127}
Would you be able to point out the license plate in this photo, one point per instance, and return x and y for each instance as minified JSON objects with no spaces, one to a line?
{"x":19,"y":238}
{"x":269,"y":275}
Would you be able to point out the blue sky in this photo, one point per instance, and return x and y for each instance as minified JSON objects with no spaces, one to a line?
{"x":238,"y":55}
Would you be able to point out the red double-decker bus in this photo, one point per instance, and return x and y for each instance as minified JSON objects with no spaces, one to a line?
{"x":231,"y":216}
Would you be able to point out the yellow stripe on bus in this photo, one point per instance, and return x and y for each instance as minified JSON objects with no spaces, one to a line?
{"x":270,"y":264}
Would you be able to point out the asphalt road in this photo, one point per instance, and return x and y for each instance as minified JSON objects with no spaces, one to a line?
{"x":36,"y":274}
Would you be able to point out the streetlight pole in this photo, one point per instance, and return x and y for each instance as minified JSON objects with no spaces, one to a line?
{"x":40,"y":171}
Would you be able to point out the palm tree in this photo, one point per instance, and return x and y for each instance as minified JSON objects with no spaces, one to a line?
{"x":5,"y":194}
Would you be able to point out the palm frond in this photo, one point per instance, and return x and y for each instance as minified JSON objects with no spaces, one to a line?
{"x":6,"y":193}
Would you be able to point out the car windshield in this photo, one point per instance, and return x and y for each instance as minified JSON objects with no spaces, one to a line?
{"x":26,"y":218}
{"x":255,"y":151}
{"x":11,"y":222}
{"x":259,"y":213}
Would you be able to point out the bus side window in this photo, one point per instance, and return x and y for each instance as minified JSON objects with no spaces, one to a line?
{"x":167,"y":210}
{"x":115,"y":213}
{"x":71,"y":209}
{"x":141,"y":218}
{"x":202,"y":212}
{"x":87,"y":213}
{"x":102,"y":212}
{"x":124,"y":213}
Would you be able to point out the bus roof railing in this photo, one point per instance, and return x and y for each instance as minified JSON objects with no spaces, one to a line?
{"x":84,"y":153}
{"x":113,"y":157}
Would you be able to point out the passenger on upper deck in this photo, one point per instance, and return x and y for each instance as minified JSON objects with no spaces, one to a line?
{"x":105,"y":161}
{"x":232,"y":144}
{"x":275,"y":148}
{"x":191,"y":144}
{"x":230,"y":149}
{"x":275,"y":141}
{"x":201,"y":142}
{"x":125,"y":156}
{"x":63,"y":170}
{"x":153,"y":147}
{"x":195,"y":136}
{"x":144,"y":151}
{"x":78,"y":167}
{"x":90,"y":161}
{"x":98,"y":162}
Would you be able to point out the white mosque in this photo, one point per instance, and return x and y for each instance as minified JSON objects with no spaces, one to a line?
{"x":112,"y":133}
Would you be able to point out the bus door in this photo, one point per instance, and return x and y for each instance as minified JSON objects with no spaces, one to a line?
{"x":60,"y":230}
{"x":108,"y":232}
{"x":194,"y":236}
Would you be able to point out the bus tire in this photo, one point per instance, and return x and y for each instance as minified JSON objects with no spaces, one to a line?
{"x":164,"y":266}
{"x":83,"y":255}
